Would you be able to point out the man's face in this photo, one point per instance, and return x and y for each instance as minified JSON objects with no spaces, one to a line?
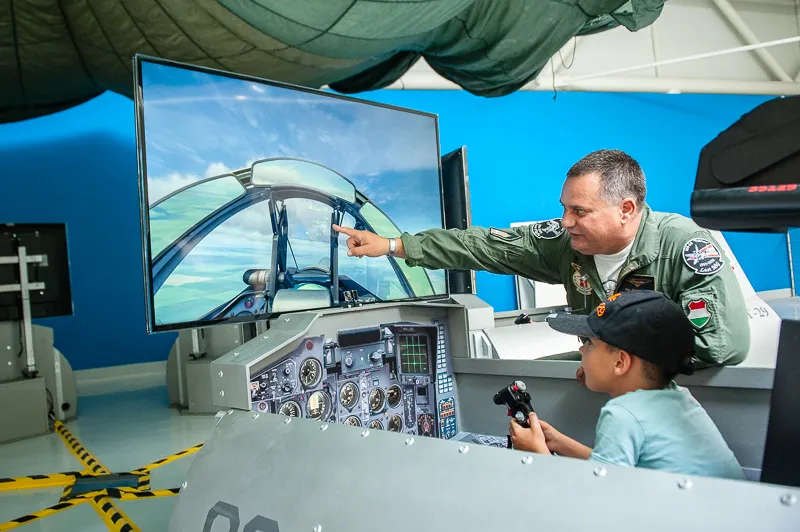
{"x":593,"y":224}
{"x":598,"y":364}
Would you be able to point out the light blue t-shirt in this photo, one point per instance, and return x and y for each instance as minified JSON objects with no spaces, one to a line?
{"x":663,"y":429}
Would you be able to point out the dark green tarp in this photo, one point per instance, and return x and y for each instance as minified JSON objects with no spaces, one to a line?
{"x":56,"y":54}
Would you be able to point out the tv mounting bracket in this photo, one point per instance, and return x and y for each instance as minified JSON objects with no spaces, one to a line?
{"x":22,"y":259}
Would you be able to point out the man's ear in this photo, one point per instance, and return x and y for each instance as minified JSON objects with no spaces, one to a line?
{"x":627,"y":210}
{"x":623,"y":363}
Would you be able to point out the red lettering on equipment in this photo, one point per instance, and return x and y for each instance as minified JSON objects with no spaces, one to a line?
{"x":773,"y":188}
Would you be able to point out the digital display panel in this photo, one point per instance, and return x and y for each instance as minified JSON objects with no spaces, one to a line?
{"x":241,"y":180}
{"x":414,"y":354}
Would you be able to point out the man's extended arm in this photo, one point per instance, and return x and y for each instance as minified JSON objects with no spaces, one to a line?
{"x":516,"y":251}
{"x":511,"y":251}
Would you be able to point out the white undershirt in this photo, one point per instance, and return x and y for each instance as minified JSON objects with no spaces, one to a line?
{"x":609,"y":266}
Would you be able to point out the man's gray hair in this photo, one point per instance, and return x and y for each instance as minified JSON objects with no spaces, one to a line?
{"x":620,"y":175}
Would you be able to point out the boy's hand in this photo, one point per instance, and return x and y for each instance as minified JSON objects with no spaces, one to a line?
{"x":551,"y":436}
{"x":529,"y":439}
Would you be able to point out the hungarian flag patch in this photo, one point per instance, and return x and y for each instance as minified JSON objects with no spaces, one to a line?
{"x":698,"y":313}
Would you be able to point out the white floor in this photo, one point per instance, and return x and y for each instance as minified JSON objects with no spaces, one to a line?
{"x":124,"y":431}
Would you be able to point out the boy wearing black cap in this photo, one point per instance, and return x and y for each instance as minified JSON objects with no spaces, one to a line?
{"x":634,"y":344}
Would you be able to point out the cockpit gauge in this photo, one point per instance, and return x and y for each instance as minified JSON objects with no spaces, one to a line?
{"x":426,"y":424}
{"x":353,"y":421}
{"x":395,"y":423}
{"x":375,"y":424}
{"x":394,"y":395}
{"x":348,"y":395}
{"x":290,"y":408}
{"x":377,"y":398}
{"x":319,"y":405}
{"x":310,"y":372}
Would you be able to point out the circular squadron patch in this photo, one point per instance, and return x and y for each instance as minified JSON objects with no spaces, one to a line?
{"x":702,"y":256}
{"x":548,"y":229}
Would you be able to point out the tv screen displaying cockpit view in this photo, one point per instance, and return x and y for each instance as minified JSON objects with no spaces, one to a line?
{"x":242,"y":179}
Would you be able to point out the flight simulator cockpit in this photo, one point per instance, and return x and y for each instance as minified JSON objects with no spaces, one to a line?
{"x":392,"y":376}
{"x":360,"y":393}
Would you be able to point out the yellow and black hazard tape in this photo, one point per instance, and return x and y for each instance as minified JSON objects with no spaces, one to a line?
{"x":25,"y":519}
{"x":129,"y":494}
{"x":114,"y":518}
{"x":78,"y":450}
{"x":66,"y":494}
{"x":144,"y":481}
{"x":168,"y":459}
{"x":38,"y":481}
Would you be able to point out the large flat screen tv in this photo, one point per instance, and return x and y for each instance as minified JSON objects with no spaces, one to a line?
{"x":241,"y":179}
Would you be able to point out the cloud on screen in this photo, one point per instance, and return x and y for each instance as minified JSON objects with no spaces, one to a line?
{"x":196,"y":121}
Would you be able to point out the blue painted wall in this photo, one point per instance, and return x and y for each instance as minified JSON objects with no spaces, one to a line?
{"x":79,"y":166}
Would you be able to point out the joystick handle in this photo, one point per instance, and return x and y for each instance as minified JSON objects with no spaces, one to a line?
{"x":516,"y":397}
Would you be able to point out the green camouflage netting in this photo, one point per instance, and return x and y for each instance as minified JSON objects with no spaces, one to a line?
{"x":57,"y":54}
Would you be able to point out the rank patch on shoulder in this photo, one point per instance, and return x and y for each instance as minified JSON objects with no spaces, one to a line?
{"x":698,"y":313}
{"x":504,"y":235}
{"x":702,"y":257}
{"x":548,"y":230}
{"x":581,"y":282}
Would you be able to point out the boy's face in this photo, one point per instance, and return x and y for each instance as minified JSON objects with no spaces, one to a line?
{"x":598,"y":364}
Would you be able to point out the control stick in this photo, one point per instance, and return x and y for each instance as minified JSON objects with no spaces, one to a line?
{"x":518,"y":401}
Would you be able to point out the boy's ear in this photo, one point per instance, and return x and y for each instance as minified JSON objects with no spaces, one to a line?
{"x":623,"y":363}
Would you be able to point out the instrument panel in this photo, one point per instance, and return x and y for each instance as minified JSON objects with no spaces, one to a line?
{"x":396,"y":377}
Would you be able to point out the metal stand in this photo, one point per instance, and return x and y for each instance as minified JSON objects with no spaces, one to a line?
{"x":23,"y":259}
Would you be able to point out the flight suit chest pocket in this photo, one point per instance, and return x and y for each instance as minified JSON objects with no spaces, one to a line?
{"x":505,"y":245}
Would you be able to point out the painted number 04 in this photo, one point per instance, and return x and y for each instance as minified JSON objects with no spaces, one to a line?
{"x":230,"y":513}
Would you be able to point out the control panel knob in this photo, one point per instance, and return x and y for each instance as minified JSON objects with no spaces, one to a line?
{"x":376,"y":356}
{"x":287,"y":386}
{"x":348,"y":360}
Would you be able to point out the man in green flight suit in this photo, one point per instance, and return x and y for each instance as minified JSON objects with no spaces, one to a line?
{"x":608,"y":240}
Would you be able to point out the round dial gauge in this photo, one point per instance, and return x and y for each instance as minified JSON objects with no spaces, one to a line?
{"x":310,"y":372}
{"x":353,"y":421}
{"x":394,"y":395}
{"x":377,"y":398}
{"x":319,"y":405}
{"x":348,"y":395}
{"x":376,"y":425}
{"x":395,"y":423}
{"x":290,"y":408}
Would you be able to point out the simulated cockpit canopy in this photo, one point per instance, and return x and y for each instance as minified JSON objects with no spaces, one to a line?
{"x":242,"y":180}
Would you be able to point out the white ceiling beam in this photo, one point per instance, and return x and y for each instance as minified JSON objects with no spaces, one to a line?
{"x":433,"y":81}
{"x":679,"y":86}
{"x":706,"y":55}
{"x":730,"y":13}
{"x":654,"y":45}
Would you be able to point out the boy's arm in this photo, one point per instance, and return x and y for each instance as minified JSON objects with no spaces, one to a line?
{"x":619,"y":437}
{"x":564,"y":445}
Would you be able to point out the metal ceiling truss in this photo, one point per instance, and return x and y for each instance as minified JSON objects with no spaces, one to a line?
{"x":781,"y":82}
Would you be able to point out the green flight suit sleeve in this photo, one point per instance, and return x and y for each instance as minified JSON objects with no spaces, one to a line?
{"x":511,"y":251}
{"x":705,"y":286}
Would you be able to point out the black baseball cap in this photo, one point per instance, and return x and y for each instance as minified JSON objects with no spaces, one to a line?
{"x":644,"y":323}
